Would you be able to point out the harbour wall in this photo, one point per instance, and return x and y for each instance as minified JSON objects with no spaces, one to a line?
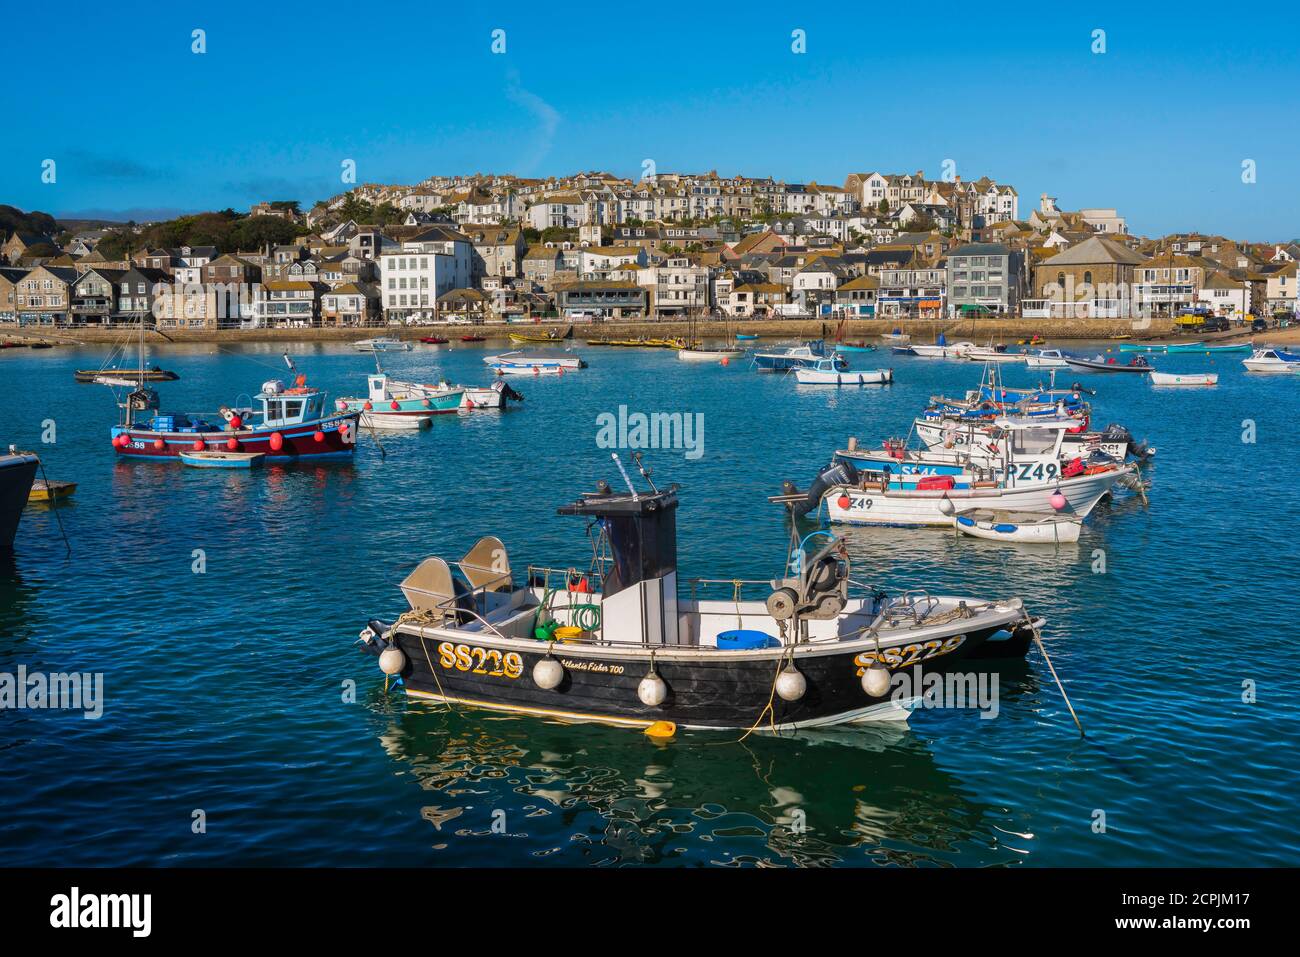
{"x":981,"y":331}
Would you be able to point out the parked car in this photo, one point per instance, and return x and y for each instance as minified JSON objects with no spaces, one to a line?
{"x":1216,"y":324}
{"x":1259,"y":325}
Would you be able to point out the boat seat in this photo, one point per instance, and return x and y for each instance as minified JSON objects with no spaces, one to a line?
{"x":430,"y":588}
{"x":486,"y":566}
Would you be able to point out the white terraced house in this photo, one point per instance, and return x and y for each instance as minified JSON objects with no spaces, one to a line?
{"x":416,"y":273}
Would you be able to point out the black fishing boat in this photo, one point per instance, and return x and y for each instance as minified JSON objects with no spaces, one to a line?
{"x":622,"y":643}
{"x":17,"y":472}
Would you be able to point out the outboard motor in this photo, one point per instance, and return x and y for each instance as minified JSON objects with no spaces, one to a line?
{"x":837,"y":473}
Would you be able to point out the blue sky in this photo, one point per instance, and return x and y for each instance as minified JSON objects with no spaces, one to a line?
{"x":1157,"y":126}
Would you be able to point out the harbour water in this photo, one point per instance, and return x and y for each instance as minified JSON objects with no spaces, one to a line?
{"x":222,"y":608}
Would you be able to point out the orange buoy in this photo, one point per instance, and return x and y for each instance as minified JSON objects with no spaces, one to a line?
{"x":319,"y":436}
{"x":277,"y":441}
{"x":198,"y":445}
{"x":232,"y":444}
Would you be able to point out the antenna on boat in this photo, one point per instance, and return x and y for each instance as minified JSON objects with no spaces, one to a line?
{"x":645,"y":472}
{"x":626,"y":478}
{"x":289,"y":362}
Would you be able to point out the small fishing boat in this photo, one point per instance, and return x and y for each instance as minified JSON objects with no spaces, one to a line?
{"x":17,"y":473}
{"x":626,"y":644}
{"x":382,"y":344}
{"x":288,"y":424}
{"x":1272,"y":361}
{"x":553,"y":335}
{"x":1023,"y":473}
{"x":211,"y":459}
{"x":1170,"y":378}
{"x":46,"y":491}
{"x":136,"y":375}
{"x":1024,"y":527}
{"x":396,"y":405}
{"x":434,"y":340}
{"x":473,"y":338}
{"x":12,"y":344}
{"x":825,"y":372}
{"x":494,"y":396}
{"x":1160,"y":346}
{"x":746,"y":336}
{"x":942,"y":350}
{"x":898,"y":335}
{"x":710,"y":355}
{"x":534,"y":362}
{"x":1227,"y":348}
{"x":1046,"y":359}
{"x":854,"y":347}
{"x":804,"y":355}
{"x":995,"y":354}
{"x":1137,"y":364}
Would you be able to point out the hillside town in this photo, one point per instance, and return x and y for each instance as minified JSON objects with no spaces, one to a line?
{"x":671,"y":246}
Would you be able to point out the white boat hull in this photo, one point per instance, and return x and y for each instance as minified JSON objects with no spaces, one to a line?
{"x":1042,"y":530}
{"x":1271,"y":366}
{"x":709,"y":355}
{"x":482,"y":399}
{"x":1170,"y":378}
{"x":396,"y":421}
{"x":957,"y":350}
{"x":984,"y":355}
{"x":1043,"y":362}
{"x":869,"y":377}
{"x":935,"y":507}
{"x":522,"y":360}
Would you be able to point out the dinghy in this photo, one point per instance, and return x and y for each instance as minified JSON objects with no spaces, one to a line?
{"x":825,"y":372}
{"x":223,"y":460}
{"x":135,"y":375}
{"x":1170,"y":378}
{"x":1025,"y":527}
{"x":47,"y":491}
{"x":626,"y":643}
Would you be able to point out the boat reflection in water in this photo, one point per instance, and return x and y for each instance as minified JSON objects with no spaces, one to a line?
{"x":866,"y":795}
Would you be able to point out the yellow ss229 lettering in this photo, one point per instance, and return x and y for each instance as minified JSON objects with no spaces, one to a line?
{"x":908,"y":654}
{"x":480,"y":661}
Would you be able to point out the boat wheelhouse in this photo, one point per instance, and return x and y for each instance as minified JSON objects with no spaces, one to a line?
{"x":626,"y":643}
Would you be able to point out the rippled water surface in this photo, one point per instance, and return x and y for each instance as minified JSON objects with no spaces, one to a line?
{"x":225,"y":691}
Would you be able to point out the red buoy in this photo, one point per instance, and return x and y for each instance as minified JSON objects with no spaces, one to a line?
{"x":427,"y":404}
{"x":198,"y":445}
{"x":367,"y":406}
{"x":159,"y":444}
{"x":122,"y":440}
{"x":394,"y":405}
{"x":277,"y":441}
{"x":726,"y":361}
{"x":843,"y":501}
{"x":319,"y":436}
{"x":236,"y":422}
{"x":233,"y":444}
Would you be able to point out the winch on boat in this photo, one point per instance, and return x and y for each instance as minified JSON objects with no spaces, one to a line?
{"x":624,"y":642}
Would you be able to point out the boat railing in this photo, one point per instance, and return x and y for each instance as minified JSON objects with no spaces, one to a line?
{"x":737,"y":585}
{"x":915,"y":603}
{"x":595,"y":580}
